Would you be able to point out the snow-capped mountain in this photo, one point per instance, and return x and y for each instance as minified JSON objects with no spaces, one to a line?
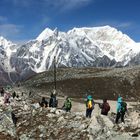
{"x":80,"y":47}
{"x":7,"y":49}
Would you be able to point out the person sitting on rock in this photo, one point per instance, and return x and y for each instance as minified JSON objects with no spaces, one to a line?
{"x":105,"y":107}
{"x":53,"y":101}
{"x":89,"y":106}
{"x":121,"y":109}
{"x":67,"y":105}
{"x":44,"y":102}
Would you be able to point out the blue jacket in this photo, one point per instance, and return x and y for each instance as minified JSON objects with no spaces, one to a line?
{"x":119,"y":104}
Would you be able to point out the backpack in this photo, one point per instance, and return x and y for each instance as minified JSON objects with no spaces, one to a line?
{"x":68,"y":104}
{"x":123,"y":107}
{"x":90,"y":104}
{"x":106,"y":107}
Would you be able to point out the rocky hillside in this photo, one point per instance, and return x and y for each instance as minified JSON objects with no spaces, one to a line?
{"x":34,"y":122}
{"x":100,"y":82}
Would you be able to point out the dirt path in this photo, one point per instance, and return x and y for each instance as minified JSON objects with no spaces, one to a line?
{"x":81,"y":107}
{"x":78,"y":105}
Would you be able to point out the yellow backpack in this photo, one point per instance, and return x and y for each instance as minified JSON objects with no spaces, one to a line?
{"x":89,"y":105}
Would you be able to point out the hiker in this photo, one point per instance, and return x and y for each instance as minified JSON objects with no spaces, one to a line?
{"x":89,"y":106}
{"x":67,"y":105}
{"x":14,"y":94}
{"x":53,"y":101}
{"x":6,"y":98}
{"x":121,"y":109}
{"x":2,"y":91}
{"x":105,"y":107}
{"x":44,"y":102}
{"x":14,"y":118}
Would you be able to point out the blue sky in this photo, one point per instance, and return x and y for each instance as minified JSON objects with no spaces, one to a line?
{"x":22,"y":20}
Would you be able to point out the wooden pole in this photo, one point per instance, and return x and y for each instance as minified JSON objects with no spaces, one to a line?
{"x":55,"y":73}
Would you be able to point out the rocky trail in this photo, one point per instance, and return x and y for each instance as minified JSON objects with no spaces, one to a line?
{"x":36,"y":123}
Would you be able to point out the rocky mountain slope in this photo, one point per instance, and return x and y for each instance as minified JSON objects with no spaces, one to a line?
{"x":34,"y":122}
{"x":100,"y":82}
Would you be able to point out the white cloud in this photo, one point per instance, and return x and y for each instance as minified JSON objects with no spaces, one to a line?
{"x":10,"y":30}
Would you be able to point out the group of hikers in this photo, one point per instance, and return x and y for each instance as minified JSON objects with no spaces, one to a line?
{"x":53,"y":102}
{"x":7,"y":96}
{"x":90,"y":104}
{"x":8,"y":99}
{"x":105,"y":107}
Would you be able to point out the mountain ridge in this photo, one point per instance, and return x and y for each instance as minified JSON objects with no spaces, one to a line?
{"x":80,"y":47}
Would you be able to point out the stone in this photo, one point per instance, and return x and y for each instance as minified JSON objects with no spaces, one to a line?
{"x":52,"y":110}
{"x":59,"y":112}
{"x":60,"y":119}
{"x":135,"y":135}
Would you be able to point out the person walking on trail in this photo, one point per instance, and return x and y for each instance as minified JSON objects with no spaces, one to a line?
{"x":2,"y":91}
{"x":14,"y":94}
{"x":14,"y":118}
{"x":44,"y":102}
{"x":6,"y":98}
{"x":105,"y":107}
{"x":121,"y":109}
{"x":53,"y":101}
{"x":67,"y":105}
{"x":89,"y":106}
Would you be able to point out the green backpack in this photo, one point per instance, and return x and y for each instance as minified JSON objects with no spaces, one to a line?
{"x":123,"y":107}
{"x":68,"y":104}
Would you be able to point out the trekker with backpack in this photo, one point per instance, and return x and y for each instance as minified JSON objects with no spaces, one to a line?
{"x":67,"y":105}
{"x":89,"y":106}
{"x":121,"y":109}
{"x":105,"y":107}
{"x":53,"y":101}
{"x":44,"y":102}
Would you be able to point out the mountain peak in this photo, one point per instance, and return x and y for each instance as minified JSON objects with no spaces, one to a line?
{"x":4,"y":42}
{"x":47,"y":33}
{"x":2,"y":38}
